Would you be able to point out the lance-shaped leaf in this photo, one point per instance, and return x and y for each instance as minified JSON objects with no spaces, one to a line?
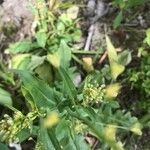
{"x":68,"y":84}
{"x":116,"y":67}
{"x":5,"y":98}
{"x":43,"y":95}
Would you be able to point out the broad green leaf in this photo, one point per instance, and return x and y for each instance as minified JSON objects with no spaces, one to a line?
{"x":61,"y":57}
{"x":45,"y":72}
{"x":43,"y":95}
{"x":18,"y":59}
{"x":23,"y":46}
{"x":118,"y":19}
{"x":124,"y":58}
{"x":5,"y":98}
{"x":24,"y":64}
{"x":36,"y":61}
{"x":68,"y":84}
{"x":54,"y":59}
{"x":65,"y":54}
{"x":116,"y":69}
{"x":41,"y":37}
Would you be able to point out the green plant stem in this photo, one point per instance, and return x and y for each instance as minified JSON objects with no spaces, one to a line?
{"x":86,"y":52}
{"x":77,"y":60}
{"x":53,"y":139}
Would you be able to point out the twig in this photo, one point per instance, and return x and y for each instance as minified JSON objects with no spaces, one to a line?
{"x":89,"y":38}
{"x":95,"y":144}
{"x":103,"y":57}
{"x":85,"y":52}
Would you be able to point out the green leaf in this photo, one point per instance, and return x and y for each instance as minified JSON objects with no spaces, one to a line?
{"x":24,"y":134}
{"x":36,"y":61}
{"x":60,"y":27}
{"x":63,"y":132}
{"x":69,"y":86}
{"x":65,"y":19}
{"x":118,"y":19}
{"x":43,"y":95}
{"x":147,"y":39}
{"x":45,"y":72}
{"x":41,"y":37}
{"x":62,"y":57}
{"x":112,"y":53}
{"x":76,"y":35}
{"x":43,"y":139}
{"x":20,"y":47}
{"x":116,"y":67}
{"x":54,"y":59}
{"x":125,"y":58}
{"x":28,"y":98}
{"x":65,"y":54}
{"x":5,"y":98}
{"x":3,"y":147}
{"x":18,"y":61}
{"x":80,"y":143}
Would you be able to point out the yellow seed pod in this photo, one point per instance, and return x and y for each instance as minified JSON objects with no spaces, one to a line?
{"x":136,"y":128}
{"x":51,"y":120}
{"x":110,"y":132}
{"x":88,"y":64}
{"x":112,"y":90}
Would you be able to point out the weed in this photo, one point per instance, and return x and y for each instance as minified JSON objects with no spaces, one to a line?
{"x":60,"y":114}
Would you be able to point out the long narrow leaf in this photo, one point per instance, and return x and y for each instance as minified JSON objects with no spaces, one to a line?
{"x":43,"y":95}
{"x":68,"y":83}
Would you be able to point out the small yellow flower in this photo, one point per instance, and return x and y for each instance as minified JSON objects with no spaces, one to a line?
{"x":51,"y":119}
{"x":110,"y":132}
{"x":136,"y":128}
